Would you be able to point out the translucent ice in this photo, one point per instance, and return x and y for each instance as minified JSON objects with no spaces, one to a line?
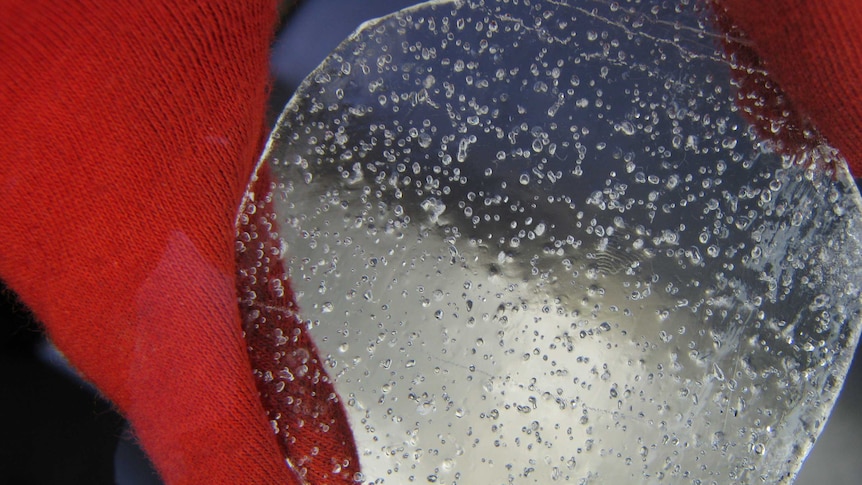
{"x":539,"y":242}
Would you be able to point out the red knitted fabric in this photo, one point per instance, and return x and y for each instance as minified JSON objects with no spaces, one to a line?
{"x":129,"y":130}
{"x":813,"y":54}
{"x":305,"y":411}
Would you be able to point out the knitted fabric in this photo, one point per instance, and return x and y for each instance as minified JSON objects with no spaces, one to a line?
{"x":813,"y":57}
{"x":304,"y":410}
{"x":129,"y":130}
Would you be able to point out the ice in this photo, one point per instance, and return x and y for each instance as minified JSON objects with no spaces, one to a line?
{"x":554,"y":250}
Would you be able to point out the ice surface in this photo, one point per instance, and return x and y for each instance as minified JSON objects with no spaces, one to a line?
{"x":539,"y":242}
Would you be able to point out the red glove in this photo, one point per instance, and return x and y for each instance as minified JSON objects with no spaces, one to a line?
{"x":129,"y":133}
{"x":813,"y":56}
{"x":130,"y":130}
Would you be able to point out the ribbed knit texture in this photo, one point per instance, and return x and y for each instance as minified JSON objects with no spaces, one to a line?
{"x":129,"y":130}
{"x":813,"y":54}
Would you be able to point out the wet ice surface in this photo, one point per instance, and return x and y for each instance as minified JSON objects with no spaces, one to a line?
{"x":539,"y":243}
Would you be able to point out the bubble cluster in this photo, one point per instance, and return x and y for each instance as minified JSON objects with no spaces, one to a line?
{"x":538,"y":242}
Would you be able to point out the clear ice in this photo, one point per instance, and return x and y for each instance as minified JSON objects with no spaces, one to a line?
{"x":538,"y":242}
